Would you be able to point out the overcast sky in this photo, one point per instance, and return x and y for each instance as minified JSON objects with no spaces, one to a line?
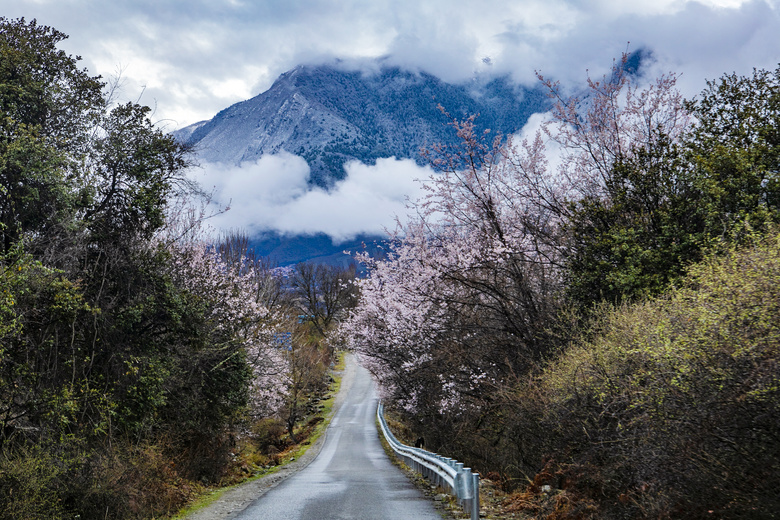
{"x":191,"y":58}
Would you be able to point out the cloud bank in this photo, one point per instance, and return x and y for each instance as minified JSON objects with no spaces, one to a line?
{"x":273,"y":194}
{"x":188,"y":59}
{"x":192,"y":58}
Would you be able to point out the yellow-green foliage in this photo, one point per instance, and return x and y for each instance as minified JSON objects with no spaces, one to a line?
{"x":677,"y":400}
{"x":725,"y":323}
{"x":28,"y":488}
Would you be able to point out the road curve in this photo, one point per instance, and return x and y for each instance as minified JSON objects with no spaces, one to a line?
{"x":351,"y":478}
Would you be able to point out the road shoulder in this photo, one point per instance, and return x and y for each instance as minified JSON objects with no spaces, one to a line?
{"x":239,"y":497}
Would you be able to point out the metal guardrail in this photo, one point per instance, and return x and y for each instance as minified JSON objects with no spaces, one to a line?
{"x":440,"y":471}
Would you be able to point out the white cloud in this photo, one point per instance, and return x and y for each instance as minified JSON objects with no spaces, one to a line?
{"x":196,"y":57}
{"x":273,"y":194}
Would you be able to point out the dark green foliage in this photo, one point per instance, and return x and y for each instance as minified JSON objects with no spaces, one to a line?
{"x":666,"y":205}
{"x":42,"y":86}
{"x":135,"y":166}
{"x":109,"y":368}
{"x":47,"y":106}
{"x":735,"y":149}
{"x":639,"y":238}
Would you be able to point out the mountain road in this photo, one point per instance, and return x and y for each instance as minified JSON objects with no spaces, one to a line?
{"x":350,"y":478}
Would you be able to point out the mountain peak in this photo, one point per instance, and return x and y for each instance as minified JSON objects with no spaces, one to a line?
{"x":329,"y":115}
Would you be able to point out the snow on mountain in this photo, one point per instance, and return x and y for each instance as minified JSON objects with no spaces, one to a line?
{"x":329,"y":116}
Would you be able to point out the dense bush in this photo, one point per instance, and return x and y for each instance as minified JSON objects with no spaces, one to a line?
{"x":129,"y":347}
{"x":670,"y":409}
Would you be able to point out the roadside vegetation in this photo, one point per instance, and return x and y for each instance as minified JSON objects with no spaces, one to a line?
{"x":269,"y":446}
{"x":588,"y":315}
{"x":143,"y":360}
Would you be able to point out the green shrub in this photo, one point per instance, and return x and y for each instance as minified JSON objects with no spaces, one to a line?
{"x":673,"y":403}
{"x":268,"y":435}
{"x":29,"y":481}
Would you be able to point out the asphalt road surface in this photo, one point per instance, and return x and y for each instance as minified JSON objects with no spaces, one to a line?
{"x":351,"y":478}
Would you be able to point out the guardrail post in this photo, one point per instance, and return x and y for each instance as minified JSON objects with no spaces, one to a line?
{"x":475,"y":497}
{"x":469,"y":495}
{"x":459,"y":482}
{"x":467,"y":489}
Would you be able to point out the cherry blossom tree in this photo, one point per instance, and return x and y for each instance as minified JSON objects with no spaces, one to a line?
{"x":472,"y":291}
{"x":630,"y":211}
{"x":242,"y":297}
{"x":466,"y":286}
{"x":613,"y":122}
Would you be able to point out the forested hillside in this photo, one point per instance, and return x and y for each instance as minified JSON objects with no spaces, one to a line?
{"x":137,"y":353}
{"x":590,"y":317}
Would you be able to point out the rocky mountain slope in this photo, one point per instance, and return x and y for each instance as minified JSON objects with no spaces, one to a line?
{"x":329,"y":115}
